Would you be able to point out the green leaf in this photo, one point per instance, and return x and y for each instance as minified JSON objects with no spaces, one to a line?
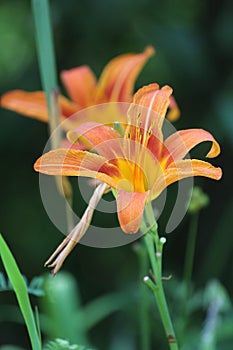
{"x":3,"y":285}
{"x":34,"y":288}
{"x":62,"y":344}
{"x":20,"y":289}
{"x":45,"y":47}
{"x":216,"y":294}
{"x":98,"y":309}
{"x":61,"y":303}
{"x":216,"y":300}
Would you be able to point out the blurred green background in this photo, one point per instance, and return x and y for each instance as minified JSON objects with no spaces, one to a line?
{"x":194,"y":45}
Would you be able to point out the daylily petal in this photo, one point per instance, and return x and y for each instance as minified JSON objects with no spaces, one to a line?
{"x":105,"y":113}
{"x":66,"y":144}
{"x":180,"y":143}
{"x":31,"y":104}
{"x":92,"y":134}
{"x":117,"y":79}
{"x":80,"y":84}
{"x":183,"y":169}
{"x":67,"y":107}
{"x":146,"y":115}
{"x":155,"y":145}
{"x":130,"y":207}
{"x":34,"y":105}
{"x":174,"y":111}
{"x":77,"y":163}
{"x":154,"y":100}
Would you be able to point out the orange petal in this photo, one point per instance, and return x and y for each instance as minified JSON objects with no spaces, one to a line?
{"x":118,"y":77}
{"x":146,"y":114}
{"x":105,"y":113}
{"x":92,"y":134}
{"x":183,"y":169}
{"x":33,"y":104}
{"x":154,"y":100}
{"x":76,"y":163}
{"x":174,"y":111}
{"x":66,"y":144}
{"x":67,"y":107}
{"x":180,"y":143}
{"x":130,"y":207}
{"x":80,"y":84}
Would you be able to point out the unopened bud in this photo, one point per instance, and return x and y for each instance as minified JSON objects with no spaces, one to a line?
{"x":163,"y":240}
{"x":199,"y":200}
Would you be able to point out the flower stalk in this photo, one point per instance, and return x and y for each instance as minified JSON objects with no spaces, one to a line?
{"x":154,"y":246}
{"x":144,"y":301}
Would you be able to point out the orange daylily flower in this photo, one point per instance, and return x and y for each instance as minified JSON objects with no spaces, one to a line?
{"x":140,"y":164}
{"x":115,"y":84}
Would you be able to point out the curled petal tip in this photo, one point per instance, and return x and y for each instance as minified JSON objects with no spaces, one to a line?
{"x":36,"y":164}
{"x":174,"y":111}
{"x":173,"y":114}
{"x":168,"y":89}
{"x":215,"y":150}
{"x":149,"y":51}
{"x":218,"y":173}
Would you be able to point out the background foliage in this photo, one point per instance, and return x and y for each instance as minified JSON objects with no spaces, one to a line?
{"x":194,"y":44}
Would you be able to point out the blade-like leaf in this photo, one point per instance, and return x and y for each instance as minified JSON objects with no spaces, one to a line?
{"x":45,"y":49}
{"x":20,"y":289}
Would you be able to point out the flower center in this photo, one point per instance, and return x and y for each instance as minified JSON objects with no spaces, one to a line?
{"x":132,"y":177}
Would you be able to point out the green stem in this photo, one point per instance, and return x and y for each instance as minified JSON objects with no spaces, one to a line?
{"x":155,"y":249}
{"x":144,"y":300}
{"x":45,"y":49}
{"x":47,"y":65}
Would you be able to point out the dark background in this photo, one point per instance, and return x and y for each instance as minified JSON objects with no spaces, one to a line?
{"x":194,"y":54}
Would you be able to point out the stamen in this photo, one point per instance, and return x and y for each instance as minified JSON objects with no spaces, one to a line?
{"x":138,"y":118}
{"x":118,"y":128}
